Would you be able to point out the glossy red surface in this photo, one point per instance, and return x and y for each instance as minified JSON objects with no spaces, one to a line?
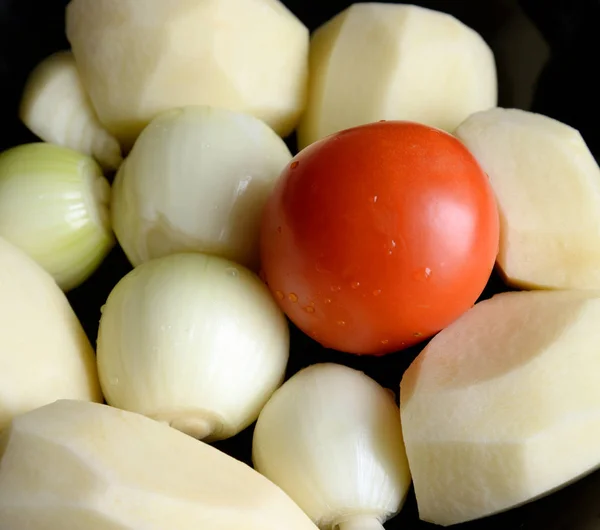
{"x":379,"y":236}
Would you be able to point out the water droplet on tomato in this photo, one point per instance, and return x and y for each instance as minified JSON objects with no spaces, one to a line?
{"x":327,"y":301}
{"x":309,"y":309}
{"x":279,"y":295}
{"x":374,"y":199}
{"x":355,"y":285}
{"x":293,"y":297}
{"x":335,"y":288}
{"x":384,"y":341}
{"x":417,"y":334}
{"x":423,"y":274}
{"x":341,"y":322}
{"x":295,"y":164}
{"x":376,"y":292}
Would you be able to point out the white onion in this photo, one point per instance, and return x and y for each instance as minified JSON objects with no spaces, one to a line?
{"x":56,"y":108}
{"x":331,"y":438}
{"x":197,"y":179}
{"x":54,"y":206}
{"x":195,"y":341}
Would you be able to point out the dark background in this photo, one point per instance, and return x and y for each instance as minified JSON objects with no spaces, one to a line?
{"x":551,"y":70}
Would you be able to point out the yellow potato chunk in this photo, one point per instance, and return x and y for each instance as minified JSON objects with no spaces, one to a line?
{"x":74,"y":465}
{"x":379,"y":61}
{"x":137,"y":59}
{"x":547,"y":185}
{"x":502,"y":406}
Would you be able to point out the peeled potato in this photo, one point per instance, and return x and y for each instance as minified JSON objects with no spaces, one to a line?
{"x":197,"y":179}
{"x":44,"y":352}
{"x":75,"y":465}
{"x":137,"y":59}
{"x":547,"y":185}
{"x":379,"y":61}
{"x":502,"y":406}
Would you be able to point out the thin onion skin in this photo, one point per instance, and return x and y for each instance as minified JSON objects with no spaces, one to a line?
{"x":197,"y":179}
{"x":54,"y":206}
{"x":192,"y":340}
{"x":331,"y":438}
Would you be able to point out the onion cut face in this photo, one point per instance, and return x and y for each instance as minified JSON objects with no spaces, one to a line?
{"x":195,"y":341}
{"x":54,"y":206}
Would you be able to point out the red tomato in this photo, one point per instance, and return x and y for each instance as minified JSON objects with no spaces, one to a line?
{"x":378,"y":237}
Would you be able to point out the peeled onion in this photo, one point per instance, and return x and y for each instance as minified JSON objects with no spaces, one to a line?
{"x":54,"y":206}
{"x":56,"y":108}
{"x":331,"y":438}
{"x":194,"y":341}
{"x":197,"y":179}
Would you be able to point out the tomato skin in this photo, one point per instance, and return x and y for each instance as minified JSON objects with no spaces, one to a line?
{"x":377,"y":237}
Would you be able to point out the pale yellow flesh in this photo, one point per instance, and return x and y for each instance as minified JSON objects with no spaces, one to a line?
{"x":74,"y":465}
{"x":138,"y":59}
{"x":547,"y":184}
{"x":379,"y":61}
{"x":503,"y":406}
{"x":57,"y":109}
{"x":44,"y":352}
